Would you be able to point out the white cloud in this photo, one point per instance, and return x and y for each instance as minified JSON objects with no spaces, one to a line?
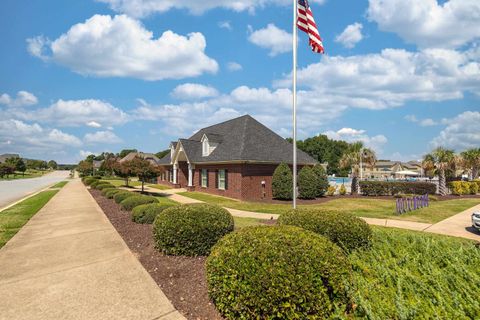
{"x":225,"y":25}
{"x":142,"y":8}
{"x":121,"y":47}
{"x":67,"y":113}
{"x":26,"y":138}
{"x":461,"y":132}
{"x":411,"y":118}
{"x":393,"y":77}
{"x":428,"y":122}
{"x":106,"y":137}
{"x":234,"y":66}
{"x":82,"y":154}
{"x":428,"y":23}
{"x":272,"y":38}
{"x":351,"y":35}
{"x":23,"y":99}
{"x":93,"y":124}
{"x":353,"y":135}
{"x":188,"y":91}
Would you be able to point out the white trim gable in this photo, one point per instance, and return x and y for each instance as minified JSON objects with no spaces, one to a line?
{"x":207,"y":146}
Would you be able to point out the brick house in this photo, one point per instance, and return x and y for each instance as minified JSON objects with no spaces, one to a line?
{"x":235,"y":158}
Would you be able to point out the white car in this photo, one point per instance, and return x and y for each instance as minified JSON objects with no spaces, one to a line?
{"x":476,"y":220}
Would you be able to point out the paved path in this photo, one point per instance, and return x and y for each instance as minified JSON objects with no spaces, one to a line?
{"x":68,"y":262}
{"x":459,"y":225}
{"x":13,"y":190}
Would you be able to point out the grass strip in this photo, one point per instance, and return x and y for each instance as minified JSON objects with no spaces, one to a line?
{"x":14,"y":218}
{"x":59,"y":185}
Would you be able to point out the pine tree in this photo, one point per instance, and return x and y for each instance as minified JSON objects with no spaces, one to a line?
{"x":282,"y":181}
{"x":322,"y":180}
{"x":307,"y":183}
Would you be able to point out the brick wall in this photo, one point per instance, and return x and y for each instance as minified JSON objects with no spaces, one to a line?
{"x":234,"y":180}
{"x":252,"y":177}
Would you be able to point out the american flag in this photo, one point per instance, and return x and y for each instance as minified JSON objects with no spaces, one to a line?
{"x":306,"y":23}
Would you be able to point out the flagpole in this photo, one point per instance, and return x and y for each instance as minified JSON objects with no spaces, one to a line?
{"x":294,"y":94}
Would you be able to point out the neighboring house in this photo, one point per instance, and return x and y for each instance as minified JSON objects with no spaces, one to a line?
{"x":5,"y":156}
{"x":386,"y":169}
{"x":235,"y":158}
{"x":153,"y":159}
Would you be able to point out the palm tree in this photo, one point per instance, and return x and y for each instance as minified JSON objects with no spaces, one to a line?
{"x":355,"y":156}
{"x":440,"y":160}
{"x":470,"y":161}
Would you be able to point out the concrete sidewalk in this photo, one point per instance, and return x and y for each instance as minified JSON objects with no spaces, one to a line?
{"x":68,"y":262}
{"x":459,"y":225}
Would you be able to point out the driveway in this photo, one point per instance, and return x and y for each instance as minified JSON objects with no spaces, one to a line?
{"x":13,"y":190}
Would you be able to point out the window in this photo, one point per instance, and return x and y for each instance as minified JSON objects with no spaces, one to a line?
{"x":205,"y":148}
{"x":221,"y":179}
{"x":204,"y":178}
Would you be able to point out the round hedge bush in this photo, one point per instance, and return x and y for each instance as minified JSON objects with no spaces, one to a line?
{"x":344,"y":229}
{"x":111,"y":192}
{"x":89,"y":180}
{"x":105,"y":190}
{"x":102,"y":186}
{"x":191,"y":229}
{"x":280,"y":272}
{"x":146,"y":213}
{"x":132,"y":202}
{"x":94,"y":183}
{"x":120,"y":196}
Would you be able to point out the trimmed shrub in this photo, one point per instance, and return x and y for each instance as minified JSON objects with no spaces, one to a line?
{"x":146,"y":213}
{"x":322,"y":180}
{"x":343,"y":190}
{"x":105,"y":190}
{"x":102,"y":186}
{"x":282,"y":181}
{"x":111,"y":192}
{"x":132,"y":202}
{"x":94,"y":184}
{"x":88,"y":180}
{"x":460,"y":188}
{"x":331,"y":190}
{"x":344,"y":229}
{"x":391,"y":188}
{"x":191,"y":229}
{"x":307,"y":183}
{"x":279,"y":272}
{"x":120,"y":196}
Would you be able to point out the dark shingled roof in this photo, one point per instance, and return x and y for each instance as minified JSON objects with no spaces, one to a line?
{"x":241,"y":139}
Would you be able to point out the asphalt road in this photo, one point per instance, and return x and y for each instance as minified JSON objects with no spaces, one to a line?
{"x":13,"y":190}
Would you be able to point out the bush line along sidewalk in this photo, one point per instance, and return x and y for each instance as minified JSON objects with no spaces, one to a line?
{"x":14,"y":218}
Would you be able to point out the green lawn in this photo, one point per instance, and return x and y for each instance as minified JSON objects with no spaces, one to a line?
{"x":12,"y":219}
{"x":28,"y":174}
{"x":364,"y":207}
{"x":413,"y":275}
{"x":121,"y":183}
{"x":59,"y":185}
{"x":246,"y":222}
{"x":158,"y":186}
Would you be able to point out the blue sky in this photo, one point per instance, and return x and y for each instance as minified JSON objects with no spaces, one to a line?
{"x":80,"y":77}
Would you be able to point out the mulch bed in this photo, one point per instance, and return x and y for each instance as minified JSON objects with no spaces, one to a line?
{"x":182,"y":279}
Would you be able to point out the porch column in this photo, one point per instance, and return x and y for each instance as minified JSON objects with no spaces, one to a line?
{"x":190,"y":175}
{"x":175,"y":174}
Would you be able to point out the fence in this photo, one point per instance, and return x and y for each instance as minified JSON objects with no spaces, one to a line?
{"x":405,"y":205}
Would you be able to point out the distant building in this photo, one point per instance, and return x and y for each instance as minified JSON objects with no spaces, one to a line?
{"x":5,"y":156}
{"x":387,"y":169}
{"x":235,"y":158}
{"x":153,"y":159}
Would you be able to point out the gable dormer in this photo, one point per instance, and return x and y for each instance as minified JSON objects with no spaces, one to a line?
{"x":209,"y":144}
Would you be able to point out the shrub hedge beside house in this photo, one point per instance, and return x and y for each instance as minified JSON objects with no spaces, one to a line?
{"x":282,"y":181}
{"x":387,"y":188}
{"x":131,"y":202}
{"x":307,"y":183}
{"x":463,"y":187}
{"x":146,"y":213}
{"x":280,"y":272}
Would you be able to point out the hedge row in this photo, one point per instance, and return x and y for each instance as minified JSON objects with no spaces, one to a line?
{"x":146,"y":213}
{"x":464,"y":187}
{"x":131,"y":202}
{"x":386,"y":188}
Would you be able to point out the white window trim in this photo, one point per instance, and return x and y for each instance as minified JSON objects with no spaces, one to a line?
{"x":224,"y":179}
{"x":204,"y":174}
